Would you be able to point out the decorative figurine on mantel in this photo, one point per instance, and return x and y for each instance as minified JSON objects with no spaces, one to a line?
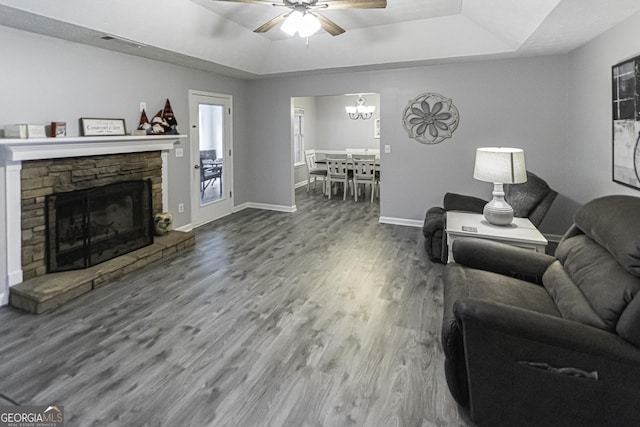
{"x":158,"y":124}
{"x":171,"y":127}
{"x":144,"y":125}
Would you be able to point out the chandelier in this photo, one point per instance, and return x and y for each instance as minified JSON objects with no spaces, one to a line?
{"x":361,"y":110}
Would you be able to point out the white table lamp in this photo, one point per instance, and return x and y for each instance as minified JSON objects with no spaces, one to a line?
{"x":500,"y":166}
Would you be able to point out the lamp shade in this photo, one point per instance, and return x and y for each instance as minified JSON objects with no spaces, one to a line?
{"x":500,"y":165}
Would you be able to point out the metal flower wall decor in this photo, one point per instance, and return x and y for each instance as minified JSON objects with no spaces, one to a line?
{"x":430,"y":118}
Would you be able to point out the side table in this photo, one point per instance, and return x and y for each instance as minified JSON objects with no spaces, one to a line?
{"x":521,"y":232}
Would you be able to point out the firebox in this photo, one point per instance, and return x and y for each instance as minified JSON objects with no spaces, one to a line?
{"x":87,"y":227}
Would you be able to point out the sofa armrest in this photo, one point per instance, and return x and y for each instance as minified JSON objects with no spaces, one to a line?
{"x":528,"y":368}
{"x":538,"y":328}
{"x":461,"y":202}
{"x":501,"y":258}
{"x":433,"y":221}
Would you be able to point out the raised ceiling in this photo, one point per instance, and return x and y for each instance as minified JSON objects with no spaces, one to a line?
{"x":218,"y":36}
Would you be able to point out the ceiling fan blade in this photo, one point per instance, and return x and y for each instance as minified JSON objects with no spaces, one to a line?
{"x":272,"y":23}
{"x":328,"y":25}
{"x":265,"y":2}
{"x":353,"y":4}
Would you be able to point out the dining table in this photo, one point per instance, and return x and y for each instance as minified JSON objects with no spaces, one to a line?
{"x":323,"y":161}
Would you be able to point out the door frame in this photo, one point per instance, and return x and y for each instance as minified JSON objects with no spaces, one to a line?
{"x":226,"y":206}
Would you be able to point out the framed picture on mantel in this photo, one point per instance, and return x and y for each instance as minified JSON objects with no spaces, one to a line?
{"x":626,"y":122}
{"x":102,"y":127}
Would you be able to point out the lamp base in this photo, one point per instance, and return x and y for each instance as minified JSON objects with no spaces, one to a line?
{"x":498,"y":211}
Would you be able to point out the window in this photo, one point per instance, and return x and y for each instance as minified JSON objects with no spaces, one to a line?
{"x":298,"y":136}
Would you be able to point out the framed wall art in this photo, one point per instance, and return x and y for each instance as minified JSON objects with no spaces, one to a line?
{"x":102,"y":127}
{"x":626,"y":122}
{"x":58,"y":129}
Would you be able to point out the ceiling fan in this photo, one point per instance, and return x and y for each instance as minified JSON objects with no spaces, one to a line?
{"x":303,"y":18}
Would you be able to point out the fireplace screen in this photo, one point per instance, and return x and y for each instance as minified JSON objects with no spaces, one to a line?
{"x":87,"y":227}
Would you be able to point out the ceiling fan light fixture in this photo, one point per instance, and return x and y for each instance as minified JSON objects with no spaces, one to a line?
{"x":305,"y":24}
{"x":309,"y":25}
{"x":292,"y":23}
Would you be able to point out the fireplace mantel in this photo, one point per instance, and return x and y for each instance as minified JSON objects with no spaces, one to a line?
{"x":14,"y":151}
{"x":55,"y":148}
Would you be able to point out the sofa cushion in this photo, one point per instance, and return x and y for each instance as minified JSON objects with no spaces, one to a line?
{"x":628,"y":325}
{"x":597,"y":276}
{"x":569,"y":299}
{"x":612,"y":221}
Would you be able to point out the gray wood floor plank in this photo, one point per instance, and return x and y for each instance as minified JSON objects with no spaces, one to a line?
{"x":323,"y":317}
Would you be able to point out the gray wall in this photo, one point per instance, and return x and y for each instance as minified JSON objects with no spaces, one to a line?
{"x":46,"y":79}
{"x":518,"y":102}
{"x":589,"y":145}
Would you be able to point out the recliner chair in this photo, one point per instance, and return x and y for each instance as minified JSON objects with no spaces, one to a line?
{"x":531,"y":200}
{"x":538,"y":340}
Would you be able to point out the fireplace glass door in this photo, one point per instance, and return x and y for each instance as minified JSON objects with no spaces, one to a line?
{"x":87,"y":227}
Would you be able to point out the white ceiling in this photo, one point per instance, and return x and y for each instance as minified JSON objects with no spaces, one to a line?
{"x":218,"y":36}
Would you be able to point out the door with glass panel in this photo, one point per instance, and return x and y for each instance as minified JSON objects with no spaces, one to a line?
{"x":211,"y":150}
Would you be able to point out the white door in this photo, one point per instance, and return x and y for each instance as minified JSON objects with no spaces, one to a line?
{"x":211,"y":149}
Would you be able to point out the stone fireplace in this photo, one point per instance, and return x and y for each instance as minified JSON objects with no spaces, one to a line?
{"x":31,"y":169}
{"x":43,"y":178}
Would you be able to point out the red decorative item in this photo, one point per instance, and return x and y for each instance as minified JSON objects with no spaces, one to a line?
{"x":158,"y":124}
{"x":144,"y":122}
{"x":171,"y":126}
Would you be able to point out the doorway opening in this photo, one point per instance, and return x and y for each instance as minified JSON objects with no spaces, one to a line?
{"x":321,"y":126}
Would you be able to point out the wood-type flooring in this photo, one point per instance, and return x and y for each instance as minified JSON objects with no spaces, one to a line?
{"x":323,"y":317}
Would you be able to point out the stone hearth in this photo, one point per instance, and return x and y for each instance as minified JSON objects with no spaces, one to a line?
{"x":44,"y":293}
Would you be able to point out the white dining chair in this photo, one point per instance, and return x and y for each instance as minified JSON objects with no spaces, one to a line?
{"x":337,"y":171}
{"x":364,"y":172}
{"x":314,"y":172}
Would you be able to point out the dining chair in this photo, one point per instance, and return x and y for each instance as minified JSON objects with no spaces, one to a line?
{"x":337,"y":171}
{"x":364,"y":172}
{"x":313,"y":171}
{"x":210,"y":170}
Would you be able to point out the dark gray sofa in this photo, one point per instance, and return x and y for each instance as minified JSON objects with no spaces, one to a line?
{"x":536,"y":340}
{"x":531,"y":199}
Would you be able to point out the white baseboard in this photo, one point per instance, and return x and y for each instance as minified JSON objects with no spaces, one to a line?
{"x":240,"y":207}
{"x":264,"y":206}
{"x":401,"y":221}
{"x":248,"y":205}
{"x":185,"y":228}
{"x":300,"y":184}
